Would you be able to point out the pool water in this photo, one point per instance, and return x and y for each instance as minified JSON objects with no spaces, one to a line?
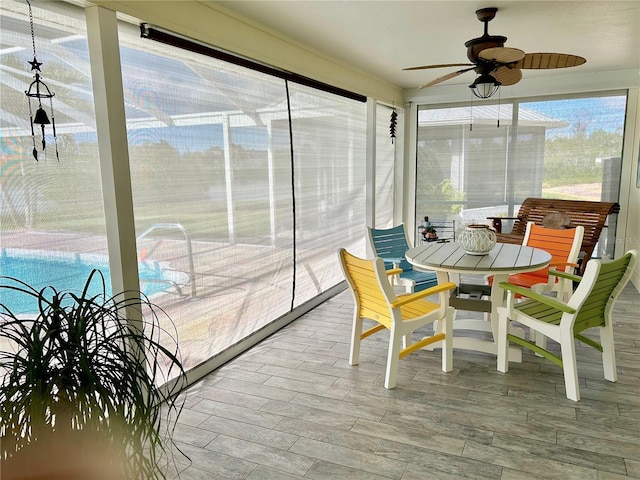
{"x":66,"y":272}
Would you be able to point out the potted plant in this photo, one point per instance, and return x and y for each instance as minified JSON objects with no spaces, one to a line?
{"x":78,"y":385}
{"x":428,"y":231}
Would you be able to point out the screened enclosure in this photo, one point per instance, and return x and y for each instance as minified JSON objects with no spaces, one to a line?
{"x":244,"y":184}
{"x":478,"y":161}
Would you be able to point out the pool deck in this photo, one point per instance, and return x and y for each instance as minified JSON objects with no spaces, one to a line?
{"x":233,"y":284}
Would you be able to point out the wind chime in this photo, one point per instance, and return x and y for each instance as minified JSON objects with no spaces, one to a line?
{"x":392,"y":125}
{"x":39,"y":90}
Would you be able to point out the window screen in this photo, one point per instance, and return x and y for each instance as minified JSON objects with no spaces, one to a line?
{"x":52,"y":223}
{"x":244,"y":185}
{"x":481,"y":161}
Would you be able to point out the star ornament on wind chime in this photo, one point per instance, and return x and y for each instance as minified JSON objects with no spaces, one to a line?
{"x":38,"y":90}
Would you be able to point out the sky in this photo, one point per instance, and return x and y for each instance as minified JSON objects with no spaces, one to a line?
{"x":611,"y":113}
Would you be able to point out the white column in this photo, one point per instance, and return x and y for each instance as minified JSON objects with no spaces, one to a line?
{"x":272,"y":180}
{"x":409,"y":174}
{"x":371,"y":163}
{"x":628,"y":228}
{"x":228,"y":176}
{"x":399,"y":168}
{"x":104,"y":55}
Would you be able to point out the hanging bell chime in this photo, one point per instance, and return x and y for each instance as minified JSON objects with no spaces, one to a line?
{"x":39,"y":90}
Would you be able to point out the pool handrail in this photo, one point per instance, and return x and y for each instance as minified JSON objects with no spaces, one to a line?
{"x":187,"y":237}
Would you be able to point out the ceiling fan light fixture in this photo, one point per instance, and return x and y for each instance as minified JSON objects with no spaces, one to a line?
{"x":484,"y":86}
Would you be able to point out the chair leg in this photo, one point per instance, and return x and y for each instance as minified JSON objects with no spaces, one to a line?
{"x":393,"y":358}
{"x":356,"y":332}
{"x":503,"y":342}
{"x":608,"y":353}
{"x":407,"y":339}
{"x":568,"y":350}
{"x":438,"y":327}
{"x":408,"y":285}
{"x":565,"y":289}
{"x":541,"y":341}
{"x":447,"y":344}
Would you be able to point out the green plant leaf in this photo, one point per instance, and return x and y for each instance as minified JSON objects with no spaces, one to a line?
{"x":80,"y":366}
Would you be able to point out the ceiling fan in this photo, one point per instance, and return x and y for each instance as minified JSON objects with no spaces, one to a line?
{"x":496,"y":64}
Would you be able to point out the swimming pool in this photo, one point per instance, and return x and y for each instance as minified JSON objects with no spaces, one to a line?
{"x":69,"y":272}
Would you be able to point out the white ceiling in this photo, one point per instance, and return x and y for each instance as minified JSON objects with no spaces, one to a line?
{"x":382,"y":37}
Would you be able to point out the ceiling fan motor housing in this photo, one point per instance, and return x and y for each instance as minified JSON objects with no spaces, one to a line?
{"x":476,"y":45}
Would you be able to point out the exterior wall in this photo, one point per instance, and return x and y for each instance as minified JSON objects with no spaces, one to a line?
{"x":631,"y":179}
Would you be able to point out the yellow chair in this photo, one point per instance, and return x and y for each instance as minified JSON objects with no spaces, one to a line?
{"x":375,"y":299}
{"x":590,"y":306}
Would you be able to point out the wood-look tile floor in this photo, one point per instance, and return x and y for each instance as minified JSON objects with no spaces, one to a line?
{"x":292,"y":407}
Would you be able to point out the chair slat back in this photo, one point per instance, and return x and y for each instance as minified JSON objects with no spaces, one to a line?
{"x":591,"y":215}
{"x":603,"y":289}
{"x":362,"y":278}
{"x":563,"y":245}
{"x":391,"y":242}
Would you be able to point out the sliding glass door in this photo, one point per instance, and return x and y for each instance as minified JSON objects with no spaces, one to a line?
{"x":479,"y":161}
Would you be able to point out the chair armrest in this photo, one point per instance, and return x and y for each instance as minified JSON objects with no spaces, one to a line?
{"x":560,"y":267}
{"x":563,"y":264}
{"x":394,"y":271}
{"x":549,"y":301}
{"x":503,"y":218}
{"x":561,"y":274}
{"x":412,"y":297}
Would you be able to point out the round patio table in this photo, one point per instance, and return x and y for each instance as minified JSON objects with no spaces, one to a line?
{"x":449,"y":260}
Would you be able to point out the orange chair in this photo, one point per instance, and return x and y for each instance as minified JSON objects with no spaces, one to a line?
{"x":564,"y":247}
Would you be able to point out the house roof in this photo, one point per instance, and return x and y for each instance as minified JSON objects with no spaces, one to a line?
{"x":486,"y":114}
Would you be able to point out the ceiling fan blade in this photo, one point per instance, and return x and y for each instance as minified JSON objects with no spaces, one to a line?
{"x":507,"y":76}
{"x":439,"y":66}
{"x":446,"y":77}
{"x":501,"y":54}
{"x":550,"y":60}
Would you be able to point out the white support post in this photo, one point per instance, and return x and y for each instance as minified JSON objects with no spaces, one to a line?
{"x":228,"y":176}
{"x":409,"y":174}
{"x":272,"y":180}
{"x":104,"y":54}
{"x":370,"y":170}
{"x":399,"y":168}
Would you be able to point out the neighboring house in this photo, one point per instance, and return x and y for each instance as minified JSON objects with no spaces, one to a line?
{"x":481,"y":150}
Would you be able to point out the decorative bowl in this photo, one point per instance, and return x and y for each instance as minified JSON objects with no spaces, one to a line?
{"x":477,"y":239}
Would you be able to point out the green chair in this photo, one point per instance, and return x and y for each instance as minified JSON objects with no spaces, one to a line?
{"x":390,"y":244}
{"x":590,"y":306}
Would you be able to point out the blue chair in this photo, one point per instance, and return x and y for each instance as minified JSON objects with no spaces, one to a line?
{"x":390,"y":244}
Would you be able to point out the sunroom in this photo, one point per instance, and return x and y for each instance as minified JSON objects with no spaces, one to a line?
{"x":219,"y":171}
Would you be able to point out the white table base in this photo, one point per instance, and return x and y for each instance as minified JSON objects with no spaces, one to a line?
{"x":489,"y":325}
